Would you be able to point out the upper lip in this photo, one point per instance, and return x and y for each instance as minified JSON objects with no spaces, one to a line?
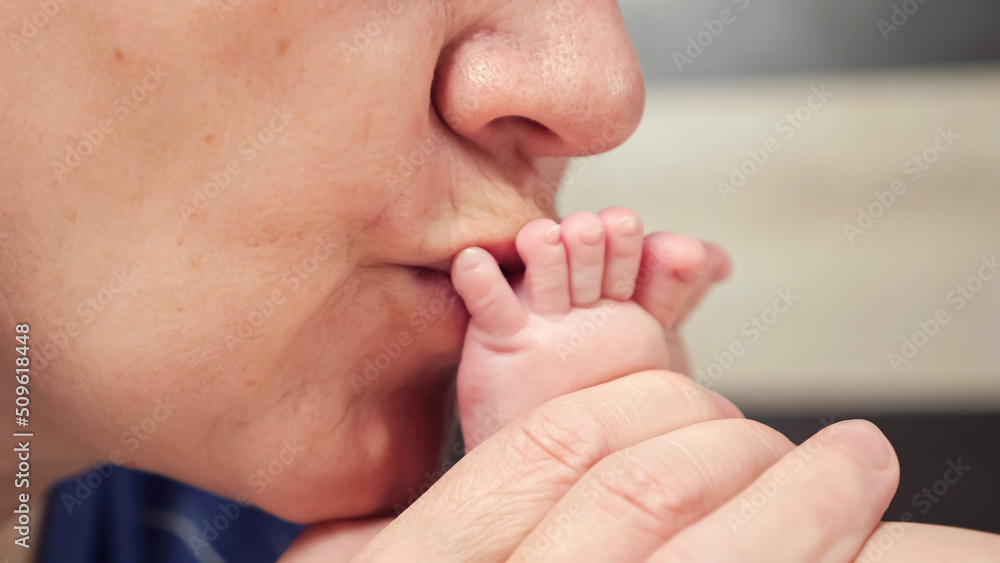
{"x":504,"y":251}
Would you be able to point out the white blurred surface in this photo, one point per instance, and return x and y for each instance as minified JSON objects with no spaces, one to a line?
{"x":784,"y":229}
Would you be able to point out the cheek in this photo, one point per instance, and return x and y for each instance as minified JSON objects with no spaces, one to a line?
{"x":237,"y":232}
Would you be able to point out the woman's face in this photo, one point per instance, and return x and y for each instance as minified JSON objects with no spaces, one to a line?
{"x":223,"y":219}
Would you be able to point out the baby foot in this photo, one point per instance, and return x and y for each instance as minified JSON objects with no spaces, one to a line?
{"x":570,"y":322}
{"x":676,"y":273}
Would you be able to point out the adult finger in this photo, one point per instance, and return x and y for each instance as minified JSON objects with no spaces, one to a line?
{"x":333,"y":542}
{"x":819,"y":503}
{"x":909,"y":542}
{"x":491,"y":500}
{"x":632,"y":501}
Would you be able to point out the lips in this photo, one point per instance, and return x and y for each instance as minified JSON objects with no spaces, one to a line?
{"x":505,"y":253}
{"x":506,"y":256}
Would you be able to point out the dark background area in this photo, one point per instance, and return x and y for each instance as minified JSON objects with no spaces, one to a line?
{"x":925,"y":444}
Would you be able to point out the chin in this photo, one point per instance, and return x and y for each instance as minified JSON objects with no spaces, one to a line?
{"x":386,"y":458}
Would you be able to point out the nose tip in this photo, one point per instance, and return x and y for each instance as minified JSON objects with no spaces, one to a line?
{"x":565,"y":84}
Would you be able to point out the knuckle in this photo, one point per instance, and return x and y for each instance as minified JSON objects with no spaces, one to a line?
{"x":681,"y":398}
{"x":554,"y":438}
{"x":642,"y":492}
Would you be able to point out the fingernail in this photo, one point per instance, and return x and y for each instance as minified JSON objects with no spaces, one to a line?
{"x":628,"y":226}
{"x":864,"y":441}
{"x":469,"y":259}
{"x":552,"y":237}
{"x":592,"y":237}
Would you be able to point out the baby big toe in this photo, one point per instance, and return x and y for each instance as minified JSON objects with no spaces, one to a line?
{"x":487,"y":295}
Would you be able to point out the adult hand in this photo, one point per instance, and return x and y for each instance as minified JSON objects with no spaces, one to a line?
{"x":649,"y":466}
{"x":908,"y":542}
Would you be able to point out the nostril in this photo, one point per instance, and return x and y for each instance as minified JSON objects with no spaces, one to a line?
{"x":525,"y":126}
{"x":517,"y":127}
{"x":530,"y":137}
{"x":529,"y":123}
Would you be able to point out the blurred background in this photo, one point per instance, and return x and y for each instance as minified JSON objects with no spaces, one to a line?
{"x":847,"y":155}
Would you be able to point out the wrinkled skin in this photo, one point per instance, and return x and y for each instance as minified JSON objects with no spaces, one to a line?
{"x":206,"y":220}
{"x":209,"y":219}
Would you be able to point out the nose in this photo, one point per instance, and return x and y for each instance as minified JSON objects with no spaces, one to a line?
{"x":551,"y":78}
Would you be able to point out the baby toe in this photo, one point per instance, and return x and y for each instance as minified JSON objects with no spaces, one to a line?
{"x":546,"y":273}
{"x":623,"y":228}
{"x":487,"y":295}
{"x":584,"y":238}
{"x":671,"y":272}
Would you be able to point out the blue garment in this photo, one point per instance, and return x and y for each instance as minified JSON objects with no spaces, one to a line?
{"x":118,"y":515}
